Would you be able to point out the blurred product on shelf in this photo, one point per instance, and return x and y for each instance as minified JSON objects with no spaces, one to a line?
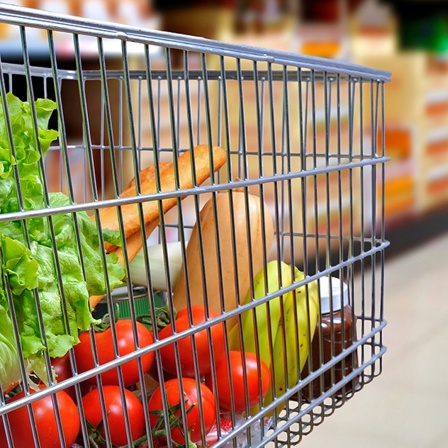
{"x":417,"y":137}
{"x":131,"y":12}
{"x":372,"y":30}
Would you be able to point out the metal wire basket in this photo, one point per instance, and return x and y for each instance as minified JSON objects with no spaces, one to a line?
{"x":298,"y":138}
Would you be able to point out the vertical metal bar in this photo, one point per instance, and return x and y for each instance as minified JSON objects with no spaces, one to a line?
{"x":219,"y":113}
{"x":90,"y":166}
{"x":121,"y":141}
{"x":259,"y":110}
{"x":242,"y":161}
{"x":375,"y":131}
{"x":188,"y":101}
{"x":154,"y":120}
{"x":260,"y":98}
{"x":340,"y":200}
{"x":243,"y":171}
{"x":368,"y":312}
{"x":159,"y":111}
{"x":339,"y":174}
{"x":198,"y":115}
{"x":277,"y":217}
{"x":136,"y":148}
{"x":208,"y":118}
{"x":85,"y":117}
{"x":327,"y":107}
{"x":30,"y":95}
{"x":154,"y":123}
{"x":314,"y":165}
{"x":363,"y":271}
{"x":190,"y":316}
{"x":225,"y":113}
{"x":303,"y":132}
{"x":175,"y":154}
{"x":303,"y":99}
{"x":102,"y":148}
{"x":351,"y":246}
{"x":178,"y":111}
{"x":181,"y":225}
{"x":286,"y":193}
{"x":57,"y":83}
{"x":65,"y":162}
{"x":106,"y":121}
{"x":180,"y":219}
{"x":138,"y":124}
{"x":135,"y":156}
{"x":227,"y":138}
{"x":327,"y":118}
{"x":383,"y":217}
{"x":172,"y":116}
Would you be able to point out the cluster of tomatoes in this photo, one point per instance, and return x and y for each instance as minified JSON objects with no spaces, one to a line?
{"x":202,"y":380}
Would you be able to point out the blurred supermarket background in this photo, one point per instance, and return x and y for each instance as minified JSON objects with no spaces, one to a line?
{"x":410,"y":39}
{"x":407,"y":37}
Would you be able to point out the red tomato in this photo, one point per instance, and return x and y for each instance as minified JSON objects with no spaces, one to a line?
{"x":239,"y":365}
{"x":185,"y":347}
{"x":63,"y":370}
{"x":105,"y":350}
{"x":116,"y":416}
{"x":45,"y":422}
{"x":191,"y":398}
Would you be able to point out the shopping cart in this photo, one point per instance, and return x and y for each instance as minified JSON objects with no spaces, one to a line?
{"x":112,"y":148}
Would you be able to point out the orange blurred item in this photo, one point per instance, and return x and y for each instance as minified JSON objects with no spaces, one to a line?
{"x":325,"y":49}
{"x":437,"y":147}
{"x":398,"y":143}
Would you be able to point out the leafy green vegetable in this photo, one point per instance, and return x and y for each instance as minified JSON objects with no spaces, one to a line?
{"x":27,"y":153}
{"x":58,"y":283}
{"x":9,"y":367}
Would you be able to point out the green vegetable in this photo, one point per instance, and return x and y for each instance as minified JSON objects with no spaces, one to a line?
{"x":29,"y":265}
{"x":9,"y":366}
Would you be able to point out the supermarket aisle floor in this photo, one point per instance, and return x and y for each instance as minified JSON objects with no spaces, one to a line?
{"x":406,"y":406}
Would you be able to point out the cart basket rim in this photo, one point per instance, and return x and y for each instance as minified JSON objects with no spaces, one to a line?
{"x":30,"y":17}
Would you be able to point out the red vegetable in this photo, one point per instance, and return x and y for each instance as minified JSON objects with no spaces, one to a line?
{"x":105,"y":350}
{"x":45,"y":422}
{"x":116,"y":414}
{"x":238,"y":366}
{"x":63,"y":371}
{"x":203,"y":340}
{"x":191,"y":397}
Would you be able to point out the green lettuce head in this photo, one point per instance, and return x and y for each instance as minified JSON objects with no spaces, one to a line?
{"x":45,"y":270}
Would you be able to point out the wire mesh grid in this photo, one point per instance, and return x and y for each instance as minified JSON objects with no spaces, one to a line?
{"x":302,"y":174}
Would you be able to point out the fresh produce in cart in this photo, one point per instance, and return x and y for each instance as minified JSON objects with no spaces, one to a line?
{"x":286,"y":323}
{"x":29,"y":250}
{"x":199,"y":345}
{"x":62,"y":370}
{"x":242,"y":381}
{"x":117,"y":412}
{"x":126,"y":343}
{"x":198,"y":403}
{"x":33,"y":266}
{"x":171,"y":176}
{"x":45,"y":421}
